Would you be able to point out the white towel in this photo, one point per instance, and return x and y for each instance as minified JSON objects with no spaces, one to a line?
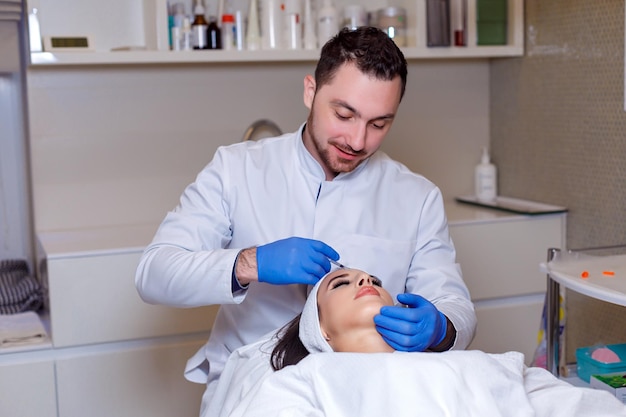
{"x":310,"y":331}
{"x":21,"y":329}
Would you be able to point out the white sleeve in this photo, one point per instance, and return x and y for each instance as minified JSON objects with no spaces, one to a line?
{"x":186,"y":264}
{"x":435,"y":274}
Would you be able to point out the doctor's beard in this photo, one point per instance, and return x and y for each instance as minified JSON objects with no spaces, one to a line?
{"x":326,"y":156}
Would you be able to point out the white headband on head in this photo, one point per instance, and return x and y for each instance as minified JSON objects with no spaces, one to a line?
{"x":310,"y":330}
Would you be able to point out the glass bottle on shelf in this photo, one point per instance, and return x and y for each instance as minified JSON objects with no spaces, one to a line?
{"x":199,"y":27}
{"x":214,"y":35}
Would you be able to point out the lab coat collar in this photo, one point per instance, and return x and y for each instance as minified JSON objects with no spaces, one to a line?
{"x":312,"y":166}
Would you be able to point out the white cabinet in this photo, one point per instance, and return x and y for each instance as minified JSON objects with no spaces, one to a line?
{"x":500,"y":254}
{"x":111,"y":353}
{"x":27,"y":387}
{"x":93,"y":299}
{"x":123,"y":23}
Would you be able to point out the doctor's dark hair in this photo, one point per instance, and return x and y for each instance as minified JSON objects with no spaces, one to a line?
{"x":289,"y":349}
{"x":369,"y":48}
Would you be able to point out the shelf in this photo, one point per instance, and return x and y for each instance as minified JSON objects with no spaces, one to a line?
{"x":39,"y":59}
{"x":151,"y":33}
{"x":596,"y":283}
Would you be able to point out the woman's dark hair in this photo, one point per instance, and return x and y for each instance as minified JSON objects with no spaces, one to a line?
{"x":369,"y":48}
{"x":289,"y":350}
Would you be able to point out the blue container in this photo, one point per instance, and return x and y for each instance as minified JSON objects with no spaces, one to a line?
{"x":588,"y":366}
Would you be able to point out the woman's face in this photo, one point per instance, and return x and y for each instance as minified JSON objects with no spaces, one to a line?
{"x":348,"y":300}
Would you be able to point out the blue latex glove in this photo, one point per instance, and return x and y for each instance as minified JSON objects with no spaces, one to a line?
{"x":294,"y":260}
{"x":412,"y":329}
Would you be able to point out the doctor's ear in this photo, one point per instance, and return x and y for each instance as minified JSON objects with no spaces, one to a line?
{"x":309,"y":91}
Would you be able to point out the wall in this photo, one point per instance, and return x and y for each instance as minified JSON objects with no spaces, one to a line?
{"x":557,"y":117}
{"x":15,"y":208}
{"x":557,"y":134}
{"x":116,"y":145}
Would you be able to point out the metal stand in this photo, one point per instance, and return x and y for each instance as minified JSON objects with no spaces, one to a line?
{"x":552,"y":320}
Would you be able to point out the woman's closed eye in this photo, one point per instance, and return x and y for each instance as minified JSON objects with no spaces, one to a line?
{"x":339,"y":282}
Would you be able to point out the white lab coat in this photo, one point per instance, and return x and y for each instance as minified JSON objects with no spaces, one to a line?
{"x":381,"y":218}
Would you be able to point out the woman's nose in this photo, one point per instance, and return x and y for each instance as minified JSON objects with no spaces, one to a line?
{"x":364,"y":280}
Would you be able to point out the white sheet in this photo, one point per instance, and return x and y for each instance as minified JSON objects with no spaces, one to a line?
{"x":243,"y":373}
{"x":455,"y":383}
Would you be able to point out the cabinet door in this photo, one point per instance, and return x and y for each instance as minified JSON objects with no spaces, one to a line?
{"x":27,"y":389}
{"x":501,"y":258}
{"x":93,"y":299}
{"x":129,"y":381}
{"x":511,"y":326}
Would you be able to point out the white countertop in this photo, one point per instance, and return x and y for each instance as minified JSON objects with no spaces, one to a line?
{"x":134,"y":238}
{"x":460,"y":213}
{"x":85,"y":242}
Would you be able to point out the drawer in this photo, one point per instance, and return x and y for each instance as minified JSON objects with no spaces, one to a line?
{"x":501,"y":258}
{"x":127,"y":381}
{"x":28,"y":389}
{"x":508,"y":326}
{"x":93,"y":299}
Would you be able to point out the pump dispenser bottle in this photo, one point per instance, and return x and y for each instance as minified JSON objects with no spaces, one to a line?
{"x":485,"y":179}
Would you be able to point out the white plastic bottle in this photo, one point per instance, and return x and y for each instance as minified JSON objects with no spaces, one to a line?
{"x":271,"y":24}
{"x":240,"y":30}
{"x":228,"y":32}
{"x":292,"y":24}
{"x":485,"y":179}
{"x":253,"y":32}
{"x":327,"y":22}
{"x":310,"y":35}
{"x":187,"y":36}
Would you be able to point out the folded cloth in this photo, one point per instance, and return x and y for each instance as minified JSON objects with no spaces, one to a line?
{"x":21,"y":329}
{"x":19,"y":291}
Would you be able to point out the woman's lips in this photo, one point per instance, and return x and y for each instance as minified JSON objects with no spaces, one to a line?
{"x":367,"y":290}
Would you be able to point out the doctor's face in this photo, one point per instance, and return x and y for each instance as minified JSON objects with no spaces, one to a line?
{"x":349,"y":117}
{"x":347,"y":301}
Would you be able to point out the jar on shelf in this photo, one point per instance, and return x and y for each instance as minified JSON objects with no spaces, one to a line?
{"x":392,"y":20}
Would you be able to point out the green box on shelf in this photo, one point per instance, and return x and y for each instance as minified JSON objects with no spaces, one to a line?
{"x":491,"y":33}
{"x":491,"y":22}
{"x":491,"y":10}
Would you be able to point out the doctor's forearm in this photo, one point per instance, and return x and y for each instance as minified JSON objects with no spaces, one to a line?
{"x":246,"y":267}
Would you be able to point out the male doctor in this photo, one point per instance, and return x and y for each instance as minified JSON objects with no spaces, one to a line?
{"x":263,"y":219}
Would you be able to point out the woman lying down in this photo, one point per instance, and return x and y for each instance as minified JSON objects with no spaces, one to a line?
{"x":331,"y":361}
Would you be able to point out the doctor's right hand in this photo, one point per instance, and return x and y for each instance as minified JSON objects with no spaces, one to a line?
{"x":294,"y":260}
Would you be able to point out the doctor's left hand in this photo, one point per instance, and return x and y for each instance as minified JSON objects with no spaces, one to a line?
{"x":412,"y":329}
